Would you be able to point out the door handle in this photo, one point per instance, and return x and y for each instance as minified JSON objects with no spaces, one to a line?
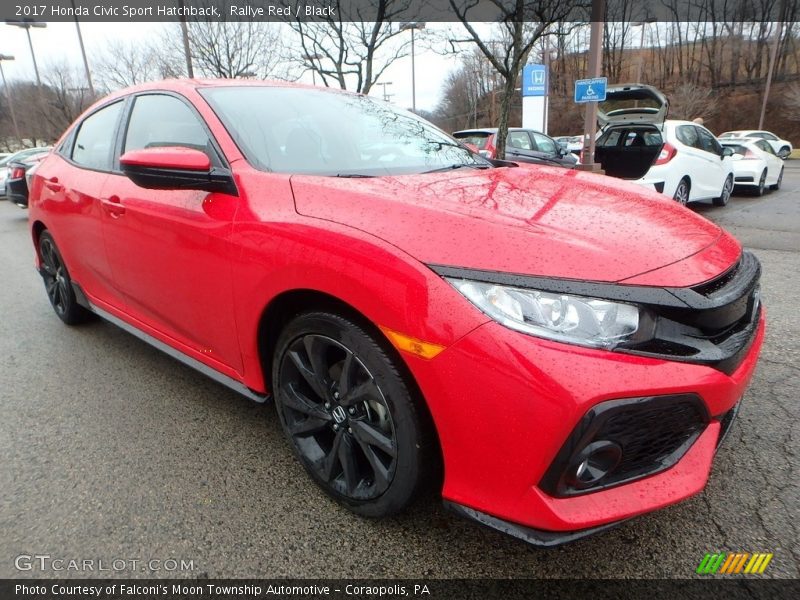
{"x":113,"y":206}
{"x":52,"y":184}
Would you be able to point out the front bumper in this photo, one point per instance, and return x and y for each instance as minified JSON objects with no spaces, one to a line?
{"x":504,"y":403}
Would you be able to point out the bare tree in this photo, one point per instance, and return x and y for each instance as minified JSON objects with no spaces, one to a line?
{"x":524,"y":22}
{"x":233,"y":49}
{"x":130,"y":63}
{"x":353,"y":49}
{"x":689,"y":101}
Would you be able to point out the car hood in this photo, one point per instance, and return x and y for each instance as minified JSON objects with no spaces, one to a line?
{"x":529,"y":220}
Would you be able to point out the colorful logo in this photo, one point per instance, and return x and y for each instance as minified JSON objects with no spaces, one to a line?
{"x":734,"y":563}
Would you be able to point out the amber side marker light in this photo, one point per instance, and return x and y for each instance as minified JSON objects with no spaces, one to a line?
{"x":412,"y":344}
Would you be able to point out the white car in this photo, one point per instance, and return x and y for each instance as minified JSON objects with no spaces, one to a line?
{"x":5,"y":159}
{"x":782,"y":148}
{"x":678,"y":158}
{"x":755,"y":164}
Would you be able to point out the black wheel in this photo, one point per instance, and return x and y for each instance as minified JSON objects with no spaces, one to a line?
{"x":58,"y":284}
{"x":777,"y":185}
{"x":348,"y":414}
{"x":727,"y":188}
{"x":682,"y":191}
{"x":784,"y":152}
{"x":762,"y":184}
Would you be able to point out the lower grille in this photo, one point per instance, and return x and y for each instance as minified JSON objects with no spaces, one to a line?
{"x":650,"y":434}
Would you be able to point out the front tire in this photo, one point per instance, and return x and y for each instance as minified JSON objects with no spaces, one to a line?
{"x":784,"y":152}
{"x":727,"y":188}
{"x":762,"y":184}
{"x":57,"y":283}
{"x":777,"y":185}
{"x":349,"y":416}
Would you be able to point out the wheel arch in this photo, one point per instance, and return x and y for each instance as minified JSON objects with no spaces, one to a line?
{"x":37,"y":227}
{"x":286,"y":305}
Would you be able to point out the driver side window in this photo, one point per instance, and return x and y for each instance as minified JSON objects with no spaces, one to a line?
{"x":158,"y":120}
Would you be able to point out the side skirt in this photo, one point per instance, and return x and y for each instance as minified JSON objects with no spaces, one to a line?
{"x":229,"y":382}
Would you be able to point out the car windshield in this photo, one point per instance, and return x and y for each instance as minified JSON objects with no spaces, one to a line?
{"x":315,"y":132}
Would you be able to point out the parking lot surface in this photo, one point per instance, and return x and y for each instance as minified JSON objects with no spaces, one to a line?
{"x":112,"y":450}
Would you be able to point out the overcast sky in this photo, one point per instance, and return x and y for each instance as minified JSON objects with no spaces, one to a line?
{"x":59,"y":42}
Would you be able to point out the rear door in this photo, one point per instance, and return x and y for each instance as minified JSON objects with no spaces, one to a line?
{"x":170,"y":249}
{"x":69,"y":186}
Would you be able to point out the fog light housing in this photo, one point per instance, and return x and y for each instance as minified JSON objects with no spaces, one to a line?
{"x":592,"y":464}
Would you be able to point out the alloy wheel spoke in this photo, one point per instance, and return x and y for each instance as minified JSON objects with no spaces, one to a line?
{"x":307,"y":373}
{"x":299,"y":402}
{"x":368,"y":434}
{"x":360,"y":393}
{"x":348,"y":462}
{"x":379,"y":470}
{"x":328,"y":463}
{"x":347,"y":375}
{"x":315,"y":350}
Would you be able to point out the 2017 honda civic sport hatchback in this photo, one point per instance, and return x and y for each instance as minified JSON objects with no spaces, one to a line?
{"x":558,"y":351}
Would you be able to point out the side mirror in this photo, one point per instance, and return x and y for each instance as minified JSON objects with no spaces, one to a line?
{"x":175,"y":168}
{"x":562,"y":150}
{"x":727,"y":152}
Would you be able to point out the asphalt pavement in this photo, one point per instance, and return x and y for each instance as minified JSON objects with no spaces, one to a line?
{"x":110,"y":450}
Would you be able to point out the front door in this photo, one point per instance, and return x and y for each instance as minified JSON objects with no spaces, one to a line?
{"x":170,"y":249}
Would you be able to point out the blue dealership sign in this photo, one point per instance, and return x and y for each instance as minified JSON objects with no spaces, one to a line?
{"x":534,"y":80}
{"x":591,"y":90}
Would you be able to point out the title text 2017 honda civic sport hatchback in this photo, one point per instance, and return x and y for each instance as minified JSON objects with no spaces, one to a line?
{"x":559,"y":351}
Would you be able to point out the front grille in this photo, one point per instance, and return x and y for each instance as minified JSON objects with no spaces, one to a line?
{"x":653,"y":434}
{"x":715,"y":324}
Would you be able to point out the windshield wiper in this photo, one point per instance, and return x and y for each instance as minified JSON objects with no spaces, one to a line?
{"x":459,"y":166}
{"x":354,"y":175}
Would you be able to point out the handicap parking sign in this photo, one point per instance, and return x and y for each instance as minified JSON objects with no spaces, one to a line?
{"x":534,"y":80}
{"x":591,"y":90}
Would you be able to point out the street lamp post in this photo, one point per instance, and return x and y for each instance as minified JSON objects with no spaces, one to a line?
{"x":26,"y":24}
{"x":413,"y":26}
{"x":83,"y":50}
{"x":311,"y":58}
{"x":386,"y":95}
{"x":8,"y":95}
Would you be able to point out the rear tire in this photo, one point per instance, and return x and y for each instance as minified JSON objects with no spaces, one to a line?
{"x":682,"y":191}
{"x":777,"y":185}
{"x":727,"y":188}
{"x":349,"y":416}
{"x":57,"y":283}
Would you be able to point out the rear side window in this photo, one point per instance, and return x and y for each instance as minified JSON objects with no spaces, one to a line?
{"x":94,"y":143}
{"x":610,"y":138}
{"x":158,"y":120}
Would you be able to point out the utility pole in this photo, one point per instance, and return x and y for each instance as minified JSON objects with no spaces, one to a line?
{"x":83,"y":50}
{"x":26,"y":24}
{"x":187,"y":50}
{"x":590,"y":118}
{"x":8,"y":96}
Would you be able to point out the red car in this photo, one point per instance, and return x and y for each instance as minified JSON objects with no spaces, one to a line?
{"x":559,"y":351}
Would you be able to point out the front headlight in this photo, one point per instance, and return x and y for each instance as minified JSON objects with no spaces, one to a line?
{"x":562,"y":317}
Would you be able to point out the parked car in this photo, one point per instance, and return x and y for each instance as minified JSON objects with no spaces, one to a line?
{"x":522,"y":145}
{"x":681,"y":159}
{"x":782,"y":148}
{"x":573,"y":143}
{"x":7,"y":158}
{"x":17,"y":182}
{"x":419,"y":320}
{"x":755,"y":164}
